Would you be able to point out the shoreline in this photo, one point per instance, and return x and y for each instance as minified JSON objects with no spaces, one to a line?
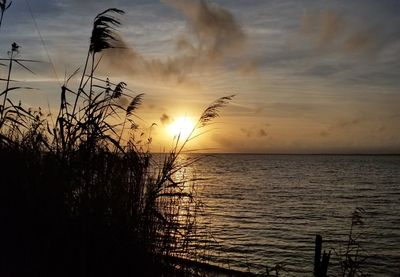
{"x":196,"y":268}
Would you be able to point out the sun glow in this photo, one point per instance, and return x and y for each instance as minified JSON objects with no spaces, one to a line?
{"x":182,"y":127}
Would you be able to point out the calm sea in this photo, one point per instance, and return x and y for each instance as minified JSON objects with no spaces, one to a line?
{"x":265,"y":210}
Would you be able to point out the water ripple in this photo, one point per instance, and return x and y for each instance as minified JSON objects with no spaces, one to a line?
{"x":263,"y":210}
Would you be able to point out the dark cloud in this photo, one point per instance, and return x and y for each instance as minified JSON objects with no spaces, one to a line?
{"x":215,"y":30}
{"x":212,"y":37}
{"x":165,"y":119}
{"x":151,"y":106}
{"x":125,"y":59}
{"x":262,"y":133}
{"x":254,"y":132}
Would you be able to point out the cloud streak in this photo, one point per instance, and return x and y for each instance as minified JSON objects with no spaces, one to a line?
{"x":251,"y":132}
{"x":325,"y":25}
{"x":332,"y":30}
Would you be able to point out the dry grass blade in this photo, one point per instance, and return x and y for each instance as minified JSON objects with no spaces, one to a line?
{"x":13,"y":88}
{"x":8,"y":80}
{"x":25,"y":67}
{"x":72,"y":75}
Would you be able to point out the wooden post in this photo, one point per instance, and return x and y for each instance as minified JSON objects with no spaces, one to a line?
{"x":320,"y":266}
{"x":317,"y":254}
{"x":325,"y":263}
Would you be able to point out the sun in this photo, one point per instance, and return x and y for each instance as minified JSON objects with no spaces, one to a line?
{"x":182,"y":127}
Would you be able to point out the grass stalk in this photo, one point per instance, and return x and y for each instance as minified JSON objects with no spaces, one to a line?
{"x":3,"y":7}
{"x":10,"y":63}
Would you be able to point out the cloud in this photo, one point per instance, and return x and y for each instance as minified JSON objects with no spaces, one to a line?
{"x":322,"y":70}
{"x":262,"y":133}
{"x":246,"y":132}
{"x":327,"y":25}
{"x":332,"y":30}
{"x":165,"y":119}
{"x":248,"y":67}
{"x":359,"y":41}
{"x":213,"y":36}
{"x":125,"y":59}
{"x":214,"y":28}
{"x":349,"y":123}
{"x":223,"y":141}
{"x":324,"y":133}
{"x":254,"y":132}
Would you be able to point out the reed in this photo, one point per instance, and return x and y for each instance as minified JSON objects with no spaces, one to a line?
{"x":3,"y":7}
{"x":352,"y":256}
{"x":82,"y":196}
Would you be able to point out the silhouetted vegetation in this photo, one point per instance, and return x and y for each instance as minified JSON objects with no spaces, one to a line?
{"x":351,"y":255}
{"x":3,"y":7}
{"x":81,"y":194}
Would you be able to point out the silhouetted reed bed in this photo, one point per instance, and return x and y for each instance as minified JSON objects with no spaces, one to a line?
{"x":80,"y":194}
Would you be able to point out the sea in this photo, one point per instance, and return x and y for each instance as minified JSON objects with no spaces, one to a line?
{"x":261,"y":213}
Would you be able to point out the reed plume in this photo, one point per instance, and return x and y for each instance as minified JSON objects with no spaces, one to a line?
{"x":212,"y":111}
{"x":3,"y":7}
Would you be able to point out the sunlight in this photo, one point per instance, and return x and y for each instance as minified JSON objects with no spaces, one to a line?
{"x":181,"y":126}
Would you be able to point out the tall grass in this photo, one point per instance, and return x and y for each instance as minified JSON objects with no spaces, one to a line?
{"x":3,"y":7}
{"x":82,"y":197}
{"x":352,"y":256}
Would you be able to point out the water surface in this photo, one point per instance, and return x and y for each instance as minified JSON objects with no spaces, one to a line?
{"x":264,"y":210}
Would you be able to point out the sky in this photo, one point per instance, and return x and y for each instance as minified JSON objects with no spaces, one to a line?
{"x":308,"y":76}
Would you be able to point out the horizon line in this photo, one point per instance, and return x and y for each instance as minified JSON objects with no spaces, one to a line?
{"x":285,"y":154}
